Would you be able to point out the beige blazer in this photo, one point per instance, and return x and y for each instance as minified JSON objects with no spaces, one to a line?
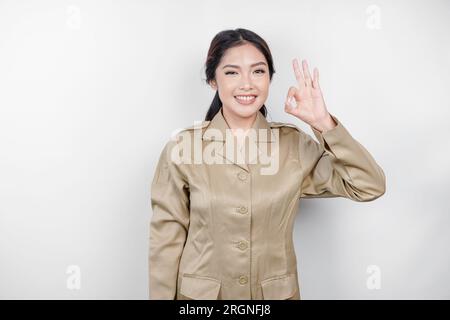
{"x":224,"y":230}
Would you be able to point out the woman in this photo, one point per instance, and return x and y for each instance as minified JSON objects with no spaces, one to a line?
{"x":223,"y":229}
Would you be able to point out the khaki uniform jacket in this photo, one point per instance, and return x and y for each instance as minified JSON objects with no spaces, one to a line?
{"x":224,"y":231}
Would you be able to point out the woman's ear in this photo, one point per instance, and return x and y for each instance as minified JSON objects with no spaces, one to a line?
{"x":213,"y":84}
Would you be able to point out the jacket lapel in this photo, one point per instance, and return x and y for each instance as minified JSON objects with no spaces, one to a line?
{"x":219,"y":132}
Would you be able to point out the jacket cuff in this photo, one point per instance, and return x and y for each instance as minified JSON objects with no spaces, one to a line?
{"x":333,"y":136}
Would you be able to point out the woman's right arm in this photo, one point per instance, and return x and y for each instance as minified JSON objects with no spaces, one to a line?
{"x":168,"y":227}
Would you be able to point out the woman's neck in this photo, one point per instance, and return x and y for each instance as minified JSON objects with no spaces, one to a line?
{"x":238,"y":124}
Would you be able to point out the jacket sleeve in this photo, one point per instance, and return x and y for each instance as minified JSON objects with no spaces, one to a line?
{"x":168,"y":226}
{"x":338,"y":166}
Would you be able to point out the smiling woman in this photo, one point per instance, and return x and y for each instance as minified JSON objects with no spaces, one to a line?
{"x":239,"y":67}
{"x":223,"y":230}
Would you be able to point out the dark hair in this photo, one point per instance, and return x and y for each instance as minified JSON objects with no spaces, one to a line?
{"x":220,"y":43}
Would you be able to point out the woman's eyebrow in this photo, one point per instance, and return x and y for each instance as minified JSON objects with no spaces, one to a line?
{"x":237,"y":67}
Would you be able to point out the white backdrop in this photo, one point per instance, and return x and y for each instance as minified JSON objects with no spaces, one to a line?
{"x":90,"y":91}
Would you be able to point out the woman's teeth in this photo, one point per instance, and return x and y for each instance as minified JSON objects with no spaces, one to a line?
{"x":245,"y":99}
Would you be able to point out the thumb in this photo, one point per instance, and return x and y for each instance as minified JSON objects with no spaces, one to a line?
{"x":291,"y":102}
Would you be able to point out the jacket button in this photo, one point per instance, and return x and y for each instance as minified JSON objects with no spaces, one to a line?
{"x":243,"y":280}
{"x":242,"y":176}
{"x":242,"y":210}
{"x":242,"y":245}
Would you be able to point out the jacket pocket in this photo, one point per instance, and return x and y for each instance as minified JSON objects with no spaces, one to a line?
{"x":280,"y":287}
{"x":199,"y":287}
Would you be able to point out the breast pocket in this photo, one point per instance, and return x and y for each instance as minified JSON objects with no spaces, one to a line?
{"x":280,"y":287}
{"x":199,"y":287}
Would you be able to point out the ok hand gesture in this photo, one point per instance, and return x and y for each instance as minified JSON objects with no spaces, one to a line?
{"x":306,"y":100}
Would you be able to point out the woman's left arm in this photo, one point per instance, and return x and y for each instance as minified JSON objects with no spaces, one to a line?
{"x":338,"y":165}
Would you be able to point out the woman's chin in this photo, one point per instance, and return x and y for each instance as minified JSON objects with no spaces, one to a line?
{"x":245,"y":111}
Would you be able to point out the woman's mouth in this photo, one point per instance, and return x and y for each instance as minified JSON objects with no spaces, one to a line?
{"x":245,"y":100}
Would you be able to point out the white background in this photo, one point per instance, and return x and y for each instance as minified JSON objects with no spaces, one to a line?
{"x":90,"y":91}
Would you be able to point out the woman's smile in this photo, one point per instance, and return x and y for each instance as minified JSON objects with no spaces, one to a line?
{"x":245,"y":99}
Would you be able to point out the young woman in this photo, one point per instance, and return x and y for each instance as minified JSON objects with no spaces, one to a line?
{"x":223,"y":229}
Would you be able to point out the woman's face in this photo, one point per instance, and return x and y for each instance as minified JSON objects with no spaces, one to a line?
{"x":243,"y":71}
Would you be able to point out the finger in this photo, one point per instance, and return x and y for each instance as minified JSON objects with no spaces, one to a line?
{"x":298,"y":73}
{"x":308,"y":81}
{"x":291,"y":101}
{"x":316,"y":79}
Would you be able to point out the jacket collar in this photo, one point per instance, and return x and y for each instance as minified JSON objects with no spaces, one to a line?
{"x":219,"y":123}
{"x":216,"y":132}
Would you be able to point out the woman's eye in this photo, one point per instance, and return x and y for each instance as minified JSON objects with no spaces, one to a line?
{"x":260,"y":71}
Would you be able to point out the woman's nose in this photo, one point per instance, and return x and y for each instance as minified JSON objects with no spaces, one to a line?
{"x":246,"y":83}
